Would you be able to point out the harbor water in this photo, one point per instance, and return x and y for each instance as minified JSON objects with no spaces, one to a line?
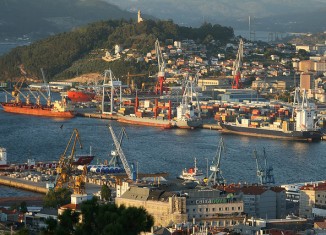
{"x":160,"y":150}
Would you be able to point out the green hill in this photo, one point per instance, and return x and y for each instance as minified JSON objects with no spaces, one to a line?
{"x":67,"y":54}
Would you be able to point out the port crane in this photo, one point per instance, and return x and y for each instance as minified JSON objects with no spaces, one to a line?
{"x":17,"y":87}
{"x":112,"y":82}
{"x":159,"y":88}
{"x":64,"y":167}
{"x":48,"y":99}
{"x":236,"y":84}
{"x":216,"y":177}
{"x":121,"y":154}
{"x":264,"y":173}
{"x":114,"y":161}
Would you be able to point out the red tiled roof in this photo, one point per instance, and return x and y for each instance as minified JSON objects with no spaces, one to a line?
{"x":254,"y":190}
{"x":321,"y":224}
{"x":314,"y":186}
{"x":277,"y":189}
{"x":71,"y":207}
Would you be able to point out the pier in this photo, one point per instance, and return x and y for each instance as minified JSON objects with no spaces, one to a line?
{"x":38,"y":187}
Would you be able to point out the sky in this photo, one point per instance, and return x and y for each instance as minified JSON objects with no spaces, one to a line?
{"x":195,"y":12}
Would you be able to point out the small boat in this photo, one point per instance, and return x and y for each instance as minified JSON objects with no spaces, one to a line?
{"x":192,"y":174}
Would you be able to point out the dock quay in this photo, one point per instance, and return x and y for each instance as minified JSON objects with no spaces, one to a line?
{"x":38,"y":187}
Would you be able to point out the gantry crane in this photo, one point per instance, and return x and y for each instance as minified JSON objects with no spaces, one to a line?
{"x":64,"y":167}
{"x":121,"y":155}
{"x":159,"y":88}
{"x":216,"y":177}
{"x":236,"y":84}
{"x":264,"y":173}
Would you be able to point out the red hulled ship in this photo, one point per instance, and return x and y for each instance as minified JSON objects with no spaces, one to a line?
{"x":81,"y":95}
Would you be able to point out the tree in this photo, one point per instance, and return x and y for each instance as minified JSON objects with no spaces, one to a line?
{"x":51,"y":226}
{"x":67,"y":222}
{"x":57,"y":198}
{"x":105,"y":192}
{"x":23,"y":207}
{"x":113,"y":220}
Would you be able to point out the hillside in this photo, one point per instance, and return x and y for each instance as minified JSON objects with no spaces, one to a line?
{"x":40,"y":18}
{"x":67,"y":55}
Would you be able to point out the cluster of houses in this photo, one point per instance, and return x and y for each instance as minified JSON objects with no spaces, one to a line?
{"x":272,"y":68}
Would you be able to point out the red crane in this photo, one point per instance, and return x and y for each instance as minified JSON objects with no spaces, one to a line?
{"x":236,"y":84}
{"x":159,"y":88}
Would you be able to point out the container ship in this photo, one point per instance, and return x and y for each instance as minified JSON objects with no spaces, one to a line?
{"x":301,"y":128}
{"x":59,"y":109}
{"x":160,"y":114}
{"x":81,"y":95}
{"x":185,"y":119}
{"x":271,"y":132}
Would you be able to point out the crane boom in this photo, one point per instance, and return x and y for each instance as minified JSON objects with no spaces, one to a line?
{"x":236,"y":84}
{"x":216,"y":177}
{"x":120,"y":152}
{"x":161,"y":69}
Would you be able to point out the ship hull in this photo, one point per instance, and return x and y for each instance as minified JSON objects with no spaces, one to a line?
{"x":166,"y":124}
{"x":80,"y":96}
{"x":260,"y":132}
{"x":36,"y":111}
{"x":189,"y":124}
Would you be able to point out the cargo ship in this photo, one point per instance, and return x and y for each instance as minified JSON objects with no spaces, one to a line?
{"x":32,"y":164}
{"x":147,"y":121}
{"x":186,"y":123}
{"x":188,"y":113}
{"x":59,"y":109}
{"x":81,"y":95}
{"x":302,"y":128}
{"x":271,"y":132}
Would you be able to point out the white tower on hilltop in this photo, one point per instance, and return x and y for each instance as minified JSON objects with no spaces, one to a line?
{"x":3,"y":156}
{"x":140,"y":19}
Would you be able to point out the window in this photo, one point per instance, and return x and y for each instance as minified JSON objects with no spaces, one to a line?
{"x":213,"y":209}
{"x":232,"y":208}
{"x":194,"y":210}
{"x":207,"y":209}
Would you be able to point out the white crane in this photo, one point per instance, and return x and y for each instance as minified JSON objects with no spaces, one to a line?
{"x":216,"y":177}
{"x":46,"y":84}
{"x":161,"y":69}
{"x":236,"y":84}
{"x":114,"y":153}
{"x":121,"y":154}
{"x":112,"y":82}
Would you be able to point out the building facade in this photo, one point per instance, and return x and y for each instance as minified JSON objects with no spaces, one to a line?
{"x":166,"y":207}
{"x":212,"y":207}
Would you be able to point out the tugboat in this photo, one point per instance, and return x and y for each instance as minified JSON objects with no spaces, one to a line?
{"x":192,"y":174}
